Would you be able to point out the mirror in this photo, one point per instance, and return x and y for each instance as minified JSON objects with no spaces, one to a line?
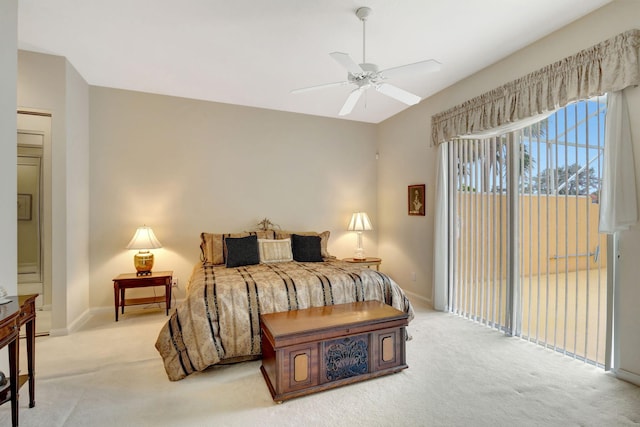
{"x":29,"y":228}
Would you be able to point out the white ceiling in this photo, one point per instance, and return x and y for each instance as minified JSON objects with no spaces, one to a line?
{"x":254,"y":52}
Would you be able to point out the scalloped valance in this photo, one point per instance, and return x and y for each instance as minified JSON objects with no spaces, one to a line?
{"x":608,"y":66}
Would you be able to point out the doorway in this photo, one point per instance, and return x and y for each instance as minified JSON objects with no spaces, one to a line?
{"x":34,"y":212}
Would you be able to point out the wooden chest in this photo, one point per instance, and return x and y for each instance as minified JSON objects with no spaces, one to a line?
{"x":310,"y":350}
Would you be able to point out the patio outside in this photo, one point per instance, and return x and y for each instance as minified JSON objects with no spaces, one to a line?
{"x":563,"y":270}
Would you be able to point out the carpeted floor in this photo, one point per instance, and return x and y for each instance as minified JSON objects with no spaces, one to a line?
{"x":460,"y":374}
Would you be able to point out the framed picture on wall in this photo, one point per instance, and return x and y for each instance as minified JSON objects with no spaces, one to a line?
{"x":416,"y":199}
{"x":24,"y":207}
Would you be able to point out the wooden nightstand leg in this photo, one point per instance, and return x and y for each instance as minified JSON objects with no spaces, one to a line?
{"x":167,"y":293}
{"x":122,"y":299}
{"x":116,"y":298}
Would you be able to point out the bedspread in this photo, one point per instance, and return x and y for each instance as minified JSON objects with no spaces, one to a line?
{"x":219,"y":321}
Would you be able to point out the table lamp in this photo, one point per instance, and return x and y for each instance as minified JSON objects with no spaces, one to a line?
{"x":359,"y":223}
{"x":144,"y":240}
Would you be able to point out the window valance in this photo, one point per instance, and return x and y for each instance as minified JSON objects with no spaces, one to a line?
{"x":608,"y":66}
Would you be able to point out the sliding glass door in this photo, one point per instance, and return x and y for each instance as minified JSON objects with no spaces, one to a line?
{"x":526,"y":254}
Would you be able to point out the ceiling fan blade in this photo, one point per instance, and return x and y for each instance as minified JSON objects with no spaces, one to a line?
{"x":322,"y":86}
{"x":346,"y":61}
{"x":351,"y":102}
{"x":397,"y":93}
{"x":421,"y":67}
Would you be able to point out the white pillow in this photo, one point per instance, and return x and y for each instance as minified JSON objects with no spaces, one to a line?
{"x":275,"y":250}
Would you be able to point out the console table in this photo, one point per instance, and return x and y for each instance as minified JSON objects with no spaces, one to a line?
{"x":20,"y":311}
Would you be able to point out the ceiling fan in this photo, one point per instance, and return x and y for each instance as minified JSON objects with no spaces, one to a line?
{"x":367,"y":75}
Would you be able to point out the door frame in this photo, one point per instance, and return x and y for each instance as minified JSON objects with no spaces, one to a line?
{"x":40,"y":121}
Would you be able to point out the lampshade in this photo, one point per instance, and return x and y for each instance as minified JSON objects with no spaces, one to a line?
{"x":360,"y":222}
{"x":144,"y":239}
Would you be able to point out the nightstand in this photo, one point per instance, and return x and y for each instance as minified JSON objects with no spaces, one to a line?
{"x":131,"y":280}
{"x":369,"y":261}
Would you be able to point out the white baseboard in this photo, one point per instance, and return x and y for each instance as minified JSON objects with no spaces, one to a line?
{"x":100,"y":310}
{"x":58,"y":332}
{"x":627,"y":376}
{"x":87,"y":314}
{"x":73,"y":326}
{"x":110,"y":309}
{"x":415,"y":297}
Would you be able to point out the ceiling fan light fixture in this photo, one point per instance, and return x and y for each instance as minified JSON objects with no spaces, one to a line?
{"x":366,"y":74}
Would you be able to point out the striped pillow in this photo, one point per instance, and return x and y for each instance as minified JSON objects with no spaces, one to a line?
{"x":212,"y":247}
{"x":275,"y":250}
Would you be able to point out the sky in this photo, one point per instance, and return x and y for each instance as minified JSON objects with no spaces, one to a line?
{"x":579,"y":130}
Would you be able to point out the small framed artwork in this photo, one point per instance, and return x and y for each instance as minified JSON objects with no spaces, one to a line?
{"x":416,"y":199}
{"x":24,"y":207}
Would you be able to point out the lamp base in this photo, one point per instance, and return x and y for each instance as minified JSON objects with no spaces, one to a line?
{"x":359,"y":255}
{"x":143,"y":262}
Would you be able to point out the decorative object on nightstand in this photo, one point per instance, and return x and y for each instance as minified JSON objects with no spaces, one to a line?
{"x":144,"y":240}
{"x":359,"y":223}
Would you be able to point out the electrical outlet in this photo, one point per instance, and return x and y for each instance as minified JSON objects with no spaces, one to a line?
{"x":174,"y":282}
{"x":413,"y":276}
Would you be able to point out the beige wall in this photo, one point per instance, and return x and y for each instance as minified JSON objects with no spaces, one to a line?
{"x":184,"y":166}
{"x":41,"y":87}
{"x":77,"y":193}
{"x":8,"y":149}
{"x":49,"y":83}
{"x":405,"y":243}
{"x":8,"y":152}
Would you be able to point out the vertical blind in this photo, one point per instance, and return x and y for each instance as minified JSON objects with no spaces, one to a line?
{"x":525,"y":254}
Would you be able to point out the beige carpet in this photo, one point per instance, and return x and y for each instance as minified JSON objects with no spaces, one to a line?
{"x":460,"y":374}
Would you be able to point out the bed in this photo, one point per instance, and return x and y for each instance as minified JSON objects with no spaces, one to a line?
{"x":219,"y":319}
